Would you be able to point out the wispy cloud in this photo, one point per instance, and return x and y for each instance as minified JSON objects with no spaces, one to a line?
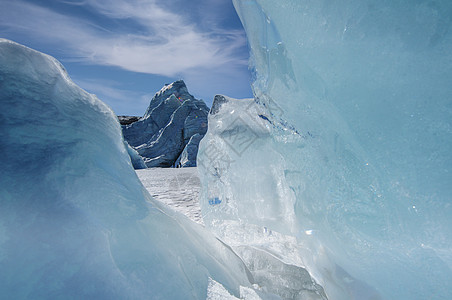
{"x":160,"y":41}
{"x":119,"y":98}
{"x":104,"y":87}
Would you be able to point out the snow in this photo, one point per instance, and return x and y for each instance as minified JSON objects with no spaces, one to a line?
{"x":216,"y":291}
{"x":178,"y":188}
{"x":75,"y":221}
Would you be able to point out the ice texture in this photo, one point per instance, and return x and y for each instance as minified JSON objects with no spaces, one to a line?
{"x":246,"y":201}
{"x":75,"y":221}
{"x":190,"y":152}
{"x":163,"y":134}
{"x":176,"y":187}
{"x":357,"y":97}
{"x":135,"y":158}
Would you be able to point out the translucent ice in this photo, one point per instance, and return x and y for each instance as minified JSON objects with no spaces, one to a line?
{"x":75,"y":221}
{"x":244,"y":193}
{"x":356,"y":97}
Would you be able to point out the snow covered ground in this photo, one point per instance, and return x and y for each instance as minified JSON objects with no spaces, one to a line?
{"x":176,"y":187}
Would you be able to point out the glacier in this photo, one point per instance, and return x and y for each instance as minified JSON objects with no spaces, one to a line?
{"x":169,"y":132}
{"x":341,"y":164}
{"x":75,"y":221}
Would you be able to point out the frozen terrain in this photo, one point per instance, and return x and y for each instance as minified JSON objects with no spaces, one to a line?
{"x":176,"y":187}
{"x":75,"y":221}
{"x":334,"y":182}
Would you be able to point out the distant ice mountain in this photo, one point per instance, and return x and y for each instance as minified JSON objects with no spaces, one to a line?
{"x":169,"y":132}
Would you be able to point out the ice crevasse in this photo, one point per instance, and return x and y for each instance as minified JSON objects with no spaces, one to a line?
{"x":341,"y":164}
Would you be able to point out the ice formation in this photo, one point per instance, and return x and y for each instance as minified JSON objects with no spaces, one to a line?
{"x":169,"y":132}
{"x":135,"y":158}
{"x":75,"y":221}
{"x":246,"y":201}
{"x":342,"y":163}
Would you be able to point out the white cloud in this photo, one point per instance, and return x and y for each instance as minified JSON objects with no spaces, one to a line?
{"x":162,"y":42}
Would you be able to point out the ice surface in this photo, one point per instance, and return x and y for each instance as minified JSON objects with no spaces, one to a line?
{"x":135,"y":158}
{"x":164,"y":133}
{"x":190,"y":152}
{"x":176,"y":187}
{"x":75,"y":222}
{"x":357,"y":101}
{"x":244,"y":193}
{"x":216,"y":291}
{"x":239,"y":139}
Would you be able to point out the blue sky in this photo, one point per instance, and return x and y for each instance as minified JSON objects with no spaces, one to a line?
{"x":126,"y":50}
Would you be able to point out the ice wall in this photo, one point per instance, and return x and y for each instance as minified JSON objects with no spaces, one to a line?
{"x":246,"y":201}
{"x":359,"y":97}
{"x":75,"y":221}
